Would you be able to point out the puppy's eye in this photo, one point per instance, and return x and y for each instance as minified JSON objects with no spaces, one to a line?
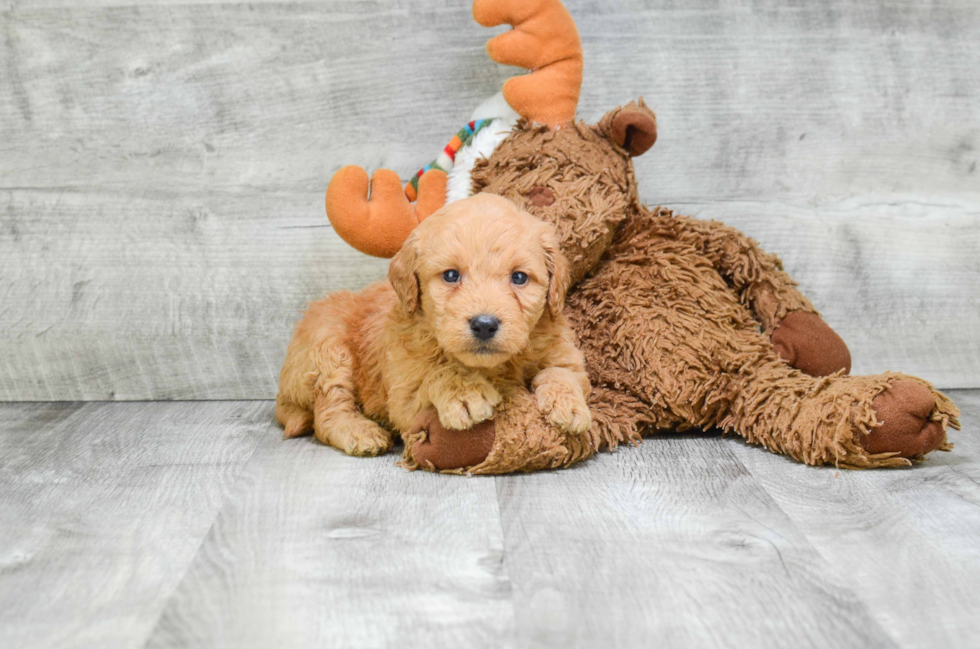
{"x":451,"y":276}
{"x":519,"y":278}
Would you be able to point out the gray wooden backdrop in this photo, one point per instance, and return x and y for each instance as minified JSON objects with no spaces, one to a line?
{"x":162,"y":166}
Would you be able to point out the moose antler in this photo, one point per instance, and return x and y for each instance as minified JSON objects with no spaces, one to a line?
{"x":545,"y":41}
{"x":379,"y":226}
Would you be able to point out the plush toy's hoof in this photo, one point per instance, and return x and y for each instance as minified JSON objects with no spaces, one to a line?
{"x":903,"y":411}
{"x":445,"y":449}
{"x":808,"y":343}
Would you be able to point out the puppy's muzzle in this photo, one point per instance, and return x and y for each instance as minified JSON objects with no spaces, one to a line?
{"x":484,"y":327}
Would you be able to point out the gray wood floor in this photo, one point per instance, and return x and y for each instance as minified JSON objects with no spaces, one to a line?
{"x":162,"y":169}
{"x":194,"y":524}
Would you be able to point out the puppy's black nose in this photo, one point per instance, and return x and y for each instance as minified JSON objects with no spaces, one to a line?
{"x":484,"y":327}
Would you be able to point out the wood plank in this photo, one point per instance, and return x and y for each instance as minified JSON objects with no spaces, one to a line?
{"x":162,"y":167}
{"x":316,"y":548}
{"x":198,"y":302}
{"x":880,"y":100}
{"x":103,"y":507}
{"x":904,"y":540}
{"x":193,"y":524}
{"x":669,"y":544}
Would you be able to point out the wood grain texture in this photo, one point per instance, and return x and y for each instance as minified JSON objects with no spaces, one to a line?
{"x":162,"y":167}
{"x":905,"y":541}
{"x":692,"y":553}
{"x":194,"y":524}
{"x":319,"y":549}
{"x":102,"y":507}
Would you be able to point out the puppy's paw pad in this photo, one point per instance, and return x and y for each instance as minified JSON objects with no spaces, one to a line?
{"x":479,"y":411}
{"x":581,"y":419}
{"x":576,"y":420}
{"x":564,"y":407}
{"x":465,"y":411}
{"x":367,"y":440}
{"x":454,"y":415}
{"x":491,"y":395}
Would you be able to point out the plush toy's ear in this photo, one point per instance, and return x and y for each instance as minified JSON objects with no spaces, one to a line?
{"x":402,"y":274}
{"x":558,"y":273}
{"x":633,"y":127}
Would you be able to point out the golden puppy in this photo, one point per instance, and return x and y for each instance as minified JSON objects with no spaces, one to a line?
{"x":472,"y":304}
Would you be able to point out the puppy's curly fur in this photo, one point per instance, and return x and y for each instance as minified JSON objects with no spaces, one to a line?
{"x":362,"y":366}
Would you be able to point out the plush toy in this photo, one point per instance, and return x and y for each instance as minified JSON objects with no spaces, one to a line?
{"x":683,"y":323}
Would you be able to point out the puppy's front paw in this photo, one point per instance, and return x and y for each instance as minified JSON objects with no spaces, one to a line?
{"x":368,"y":440}
{"x":564,"y":406}
{"x":355,"y":436}
{"x":468,"y":406}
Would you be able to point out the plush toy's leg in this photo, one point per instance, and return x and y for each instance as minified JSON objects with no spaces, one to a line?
{"x":659,"y":326}
{"x":807,"y":343}
{"x":518,"y":439}
{"x":851,"y":421}
{"x":799,"y":334}
{"x":432,"y":446}
{"x":622,"y":418}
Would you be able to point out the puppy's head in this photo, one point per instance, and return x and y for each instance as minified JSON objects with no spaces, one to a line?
{"x":480,"y":274}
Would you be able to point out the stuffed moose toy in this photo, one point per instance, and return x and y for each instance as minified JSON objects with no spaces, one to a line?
{"x":683,"y":323}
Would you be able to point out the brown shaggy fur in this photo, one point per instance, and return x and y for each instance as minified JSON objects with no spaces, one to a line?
{"x":362,"y":364}
{"x":675,"y":318}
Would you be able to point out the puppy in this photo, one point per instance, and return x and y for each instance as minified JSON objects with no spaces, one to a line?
{"x":472,"y":306}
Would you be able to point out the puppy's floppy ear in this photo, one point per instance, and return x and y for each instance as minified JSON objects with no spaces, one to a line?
{"x":403,"y":276}
{"x":558,"y":274}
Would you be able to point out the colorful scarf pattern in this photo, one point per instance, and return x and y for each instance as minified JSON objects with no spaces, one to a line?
{"x":447,"y":158}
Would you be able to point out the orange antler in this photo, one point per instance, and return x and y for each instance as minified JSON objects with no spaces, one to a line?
{"x":545,"y":41}
{"x":379,"y":226}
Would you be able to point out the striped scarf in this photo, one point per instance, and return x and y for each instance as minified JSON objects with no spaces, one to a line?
{"x":447,"y":158}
